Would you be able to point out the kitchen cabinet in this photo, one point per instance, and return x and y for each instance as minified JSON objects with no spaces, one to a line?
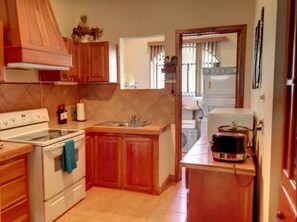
{"x":92,"y":62}
{"x":107,"y":158}
{"x":137,"y":157}
{"x":89,"y":139}
{"x":74,"y":73}
{"x":128,"y":162}
{"x":14,"y":190}
{"x":99,"y":62}
{"x":2,"y":69}
{"x":217,"y":191}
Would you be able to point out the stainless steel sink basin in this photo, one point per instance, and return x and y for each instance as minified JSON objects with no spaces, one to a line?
{"x":123,"y":124}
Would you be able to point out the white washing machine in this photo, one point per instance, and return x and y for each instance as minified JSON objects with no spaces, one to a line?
{"x":189,"y":134}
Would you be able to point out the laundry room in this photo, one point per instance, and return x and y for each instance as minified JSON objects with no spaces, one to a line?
{"x":208,"y":81}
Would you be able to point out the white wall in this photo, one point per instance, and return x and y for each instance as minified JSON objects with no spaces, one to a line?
{"x":135,"y":57}
{"x":129,"y":18}
{"x":226,"y":50}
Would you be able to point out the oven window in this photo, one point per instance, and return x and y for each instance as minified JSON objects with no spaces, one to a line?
{"x":58,"y":161}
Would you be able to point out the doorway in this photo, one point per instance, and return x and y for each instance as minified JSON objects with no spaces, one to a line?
{"x":240,"y":30}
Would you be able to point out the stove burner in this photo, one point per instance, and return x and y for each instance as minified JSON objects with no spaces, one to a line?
{"x":43,"y":135}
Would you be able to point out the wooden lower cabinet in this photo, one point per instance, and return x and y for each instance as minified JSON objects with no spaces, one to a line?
{"x":14,"y":190}
{"x":126,"y":162}
{"x":217,"y":196}
{"x":107,"y":158}
{"x":137,"y":156}
{"x":89,"y":160}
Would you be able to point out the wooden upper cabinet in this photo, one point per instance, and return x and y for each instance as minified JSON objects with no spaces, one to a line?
{"x":100,"y":62}
{"x":31,"y":33}
{"x":1,"y":53}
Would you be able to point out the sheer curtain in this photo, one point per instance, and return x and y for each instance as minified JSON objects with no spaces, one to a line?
{"x":196,"y":56}
{"x":157,"y":55}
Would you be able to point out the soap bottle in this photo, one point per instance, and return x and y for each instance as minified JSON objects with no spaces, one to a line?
{"x":60,"y":114}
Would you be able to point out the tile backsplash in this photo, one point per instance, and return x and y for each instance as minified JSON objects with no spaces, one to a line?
{"x":102,"y":102}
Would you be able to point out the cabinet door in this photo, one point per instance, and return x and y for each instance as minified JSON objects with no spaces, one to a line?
{"x":98,"y":62}
{"x":65,"y":75}
{"x":76,"y":72}
{"x":89,"y":162}
{"x":137,"y":164}
{"x":14,"y":196}
{"x":107,"y":160}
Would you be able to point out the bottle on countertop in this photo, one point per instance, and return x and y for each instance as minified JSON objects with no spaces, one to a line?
{"x":62,"y":114}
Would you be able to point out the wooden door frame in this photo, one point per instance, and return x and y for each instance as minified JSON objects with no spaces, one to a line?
{"x":240,"y":75}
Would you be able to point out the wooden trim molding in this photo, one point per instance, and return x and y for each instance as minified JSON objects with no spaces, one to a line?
{"x":198,"y":39}
{"x":241,"y":31}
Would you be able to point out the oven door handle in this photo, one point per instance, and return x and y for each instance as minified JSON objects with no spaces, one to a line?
{"x":61,"y":144}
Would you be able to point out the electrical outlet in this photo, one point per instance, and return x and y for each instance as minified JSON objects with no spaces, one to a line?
{"x":261,"y":124}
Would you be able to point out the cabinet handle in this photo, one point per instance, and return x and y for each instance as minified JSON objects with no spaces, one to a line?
{"x":280,"y":215}
{"x":209,"y":84}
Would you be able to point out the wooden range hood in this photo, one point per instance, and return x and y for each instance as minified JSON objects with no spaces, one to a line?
{"x":32,"y":38}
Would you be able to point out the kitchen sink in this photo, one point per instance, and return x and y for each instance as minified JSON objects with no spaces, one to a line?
{"x":123,"y":124}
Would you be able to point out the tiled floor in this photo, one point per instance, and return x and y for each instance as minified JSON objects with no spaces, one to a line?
{"x":113,"y":205}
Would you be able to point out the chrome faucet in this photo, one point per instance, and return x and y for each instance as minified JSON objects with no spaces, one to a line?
{"x":133,"y":118}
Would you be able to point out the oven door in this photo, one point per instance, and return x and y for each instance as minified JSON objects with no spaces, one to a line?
{"x":54,"y":178}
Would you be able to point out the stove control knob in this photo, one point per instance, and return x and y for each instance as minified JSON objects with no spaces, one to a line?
{"x":5,"y":122}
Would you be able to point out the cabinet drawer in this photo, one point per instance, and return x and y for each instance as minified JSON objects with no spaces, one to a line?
{"x":13,"y":192}
{"x":18,"y":212}
{"x":12,"y":170}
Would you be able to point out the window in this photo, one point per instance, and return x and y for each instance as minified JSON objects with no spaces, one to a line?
{"x":196,"y":56}
{"x":157,"y":79}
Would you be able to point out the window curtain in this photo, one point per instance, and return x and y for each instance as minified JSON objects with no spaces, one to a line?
{"x":199,"y":62}
{"x":157,"y":54}
{"x":189,"y":67}
{"x":209,"y":54}
{"x":196,"y":56}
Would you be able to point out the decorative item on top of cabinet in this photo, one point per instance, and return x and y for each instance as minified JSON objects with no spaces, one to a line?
{"x":84,"y":33}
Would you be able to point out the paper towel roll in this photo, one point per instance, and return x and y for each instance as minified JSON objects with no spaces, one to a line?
{"x":80,"y":112}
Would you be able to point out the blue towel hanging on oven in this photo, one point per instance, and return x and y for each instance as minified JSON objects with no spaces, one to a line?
{"x":69,"y":157}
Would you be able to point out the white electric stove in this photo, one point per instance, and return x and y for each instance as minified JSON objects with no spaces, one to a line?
{"x":52,"y":190}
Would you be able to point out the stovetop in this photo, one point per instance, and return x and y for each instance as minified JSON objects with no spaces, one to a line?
{"x":45,"y":137}
{"x":31,"y":126}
